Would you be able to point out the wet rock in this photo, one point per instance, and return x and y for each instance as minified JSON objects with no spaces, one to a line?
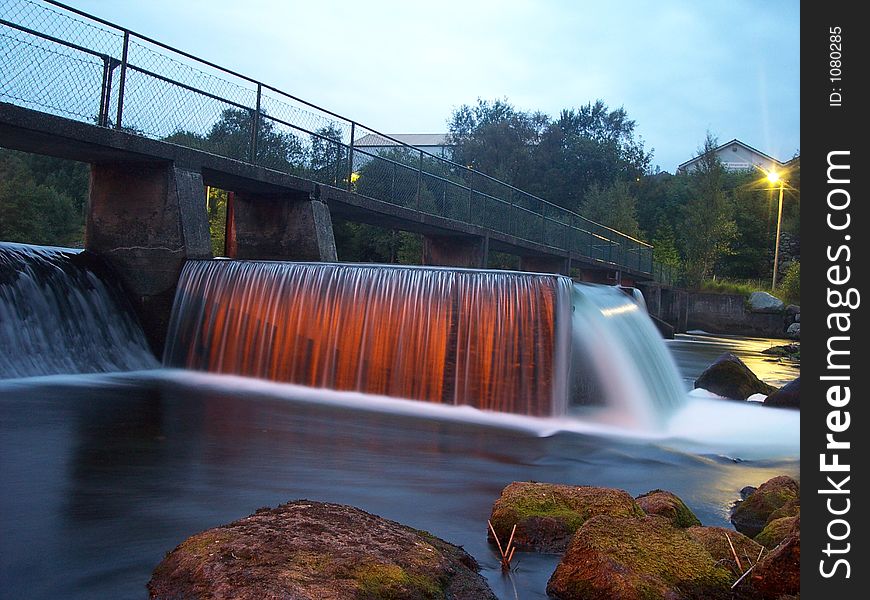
{"x":731,"y":378}
{"x":794,"y":331}
{"x":788,"y":396}
{"x":778,"y":573}
{"x":784,"y":350}
{"x":668,"y":505}
{"x":764,"y":302}
{"x":316,"y":551}
{"x":776,"y":531}
{"x":547,"y":515}
{"x":751,"y":516}
{"x":715,"y":541}
{"x":745,"y":491}
{"x":793,"y":309}
{"x":637,"y":559}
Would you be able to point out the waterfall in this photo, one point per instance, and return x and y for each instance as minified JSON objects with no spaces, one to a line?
{"x":496,"y":340}
{"x":489,"y":339}
{"x":59,"y":313}
{"x":619,"y":358}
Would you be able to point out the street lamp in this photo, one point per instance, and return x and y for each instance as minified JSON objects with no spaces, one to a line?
{"x":774,"y":178}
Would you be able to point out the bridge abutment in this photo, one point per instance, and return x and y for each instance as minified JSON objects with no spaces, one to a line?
{"x":290,"y":226}
{"x":145,"y":220}
{"x":455,"y":251}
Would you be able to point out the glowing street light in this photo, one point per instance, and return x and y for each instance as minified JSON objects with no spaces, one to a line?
{"x":774,"y":178}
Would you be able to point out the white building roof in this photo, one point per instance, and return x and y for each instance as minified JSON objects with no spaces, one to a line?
{"x":418,"y":140}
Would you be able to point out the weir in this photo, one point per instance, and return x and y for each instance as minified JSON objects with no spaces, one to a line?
{"x":61,"y":312}
{"x":504,"y":341}
{"x":488,"y":339}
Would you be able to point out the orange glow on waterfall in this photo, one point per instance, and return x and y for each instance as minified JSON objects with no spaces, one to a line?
{"x":484,"y":339}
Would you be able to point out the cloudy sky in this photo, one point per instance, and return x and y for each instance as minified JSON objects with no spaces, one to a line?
{"x":680,"y":68}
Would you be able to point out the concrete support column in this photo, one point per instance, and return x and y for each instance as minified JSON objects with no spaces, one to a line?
{"x":455,"y":251}
{"x":602,"y":276}
{"x":544,"y":264}
{"x":652,"y":294}
{"x":675,"y":308}
{"x":285,"y":227}
{"x":145,"y":220}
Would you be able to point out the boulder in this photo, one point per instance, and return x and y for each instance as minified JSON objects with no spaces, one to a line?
{"x":793,"y":309}
{"x":788,"y":396}
{"x":794,"y":331}
{"x":547,"y":515}
{"x":637,"y":559}
{"x":797,"y":318}
{"x":668,"y":505}
{"x":316,"y":551}
{"x":764,"y":302}
{"x":776,"y":531}
{"x":752,"y":515}
{"x":778,"y":573}
{"x":731,"y":378}
{"x":715,"y":541}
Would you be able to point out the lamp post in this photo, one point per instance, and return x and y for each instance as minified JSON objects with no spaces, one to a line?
{"x":774,"y":177}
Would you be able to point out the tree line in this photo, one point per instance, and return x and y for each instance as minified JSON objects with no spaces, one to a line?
{"x":705,"y":223}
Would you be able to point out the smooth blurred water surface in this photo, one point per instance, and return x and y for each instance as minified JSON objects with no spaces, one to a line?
{"x":103,"y":474}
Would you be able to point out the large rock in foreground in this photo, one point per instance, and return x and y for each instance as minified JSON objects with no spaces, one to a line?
{"x":752,"y":515}
{"x":715,"y":541}
{"x":637,"y":559}
{"x":668,"y":505}
{"x":778,"y":574}
{"x":547,"y":515}
{"x":731,"y":378}
{"x":317,"y":551}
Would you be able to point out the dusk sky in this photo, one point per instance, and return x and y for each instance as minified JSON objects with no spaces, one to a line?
{"x":679,"y":68}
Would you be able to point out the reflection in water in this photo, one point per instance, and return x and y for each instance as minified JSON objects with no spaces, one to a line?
{"x":104,"y":474}
{"x":694,"y":353}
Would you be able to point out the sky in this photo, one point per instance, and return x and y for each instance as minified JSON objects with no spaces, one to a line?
{"x":679,"y":68}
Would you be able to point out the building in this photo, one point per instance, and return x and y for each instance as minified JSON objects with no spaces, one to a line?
{"x":737,"y":156}
{"x":433,"y":143}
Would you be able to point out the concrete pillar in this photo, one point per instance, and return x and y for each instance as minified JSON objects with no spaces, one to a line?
{"x":145,"y":220}
{"x":285,"y":227}
{"x":602,"y":276}
{"x":544,"y":264}
{"x":652,"y":294}
{"x":675,"y":308}
{"x":455,"y":251}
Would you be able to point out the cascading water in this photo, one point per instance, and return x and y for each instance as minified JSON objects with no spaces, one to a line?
{"x":619,"y":356}
{"x":511,"y":342}
{"x":493,"y":340}
{"x":58,"y":315}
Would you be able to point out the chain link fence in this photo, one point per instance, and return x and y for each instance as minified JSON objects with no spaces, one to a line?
{"x":61,"y":61}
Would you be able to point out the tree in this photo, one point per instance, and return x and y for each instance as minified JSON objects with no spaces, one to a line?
{"x":613,"y":206}
{"x":588,"y":145}
{"x":708,"y":229}
{"x":33,"y":211}
{"x":497,"y":139}
{"x":327,"y":159}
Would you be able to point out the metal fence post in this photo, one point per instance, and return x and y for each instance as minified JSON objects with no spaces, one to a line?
{"x":350,"y":157}
{"x":419,"y":180}
{"x":122,"y":80}
{"x":255,"y":125}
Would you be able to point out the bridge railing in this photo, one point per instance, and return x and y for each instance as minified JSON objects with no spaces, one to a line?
{"x":62,"y":61}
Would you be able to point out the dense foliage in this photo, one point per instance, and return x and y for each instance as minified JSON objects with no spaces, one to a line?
{"x":708,"y":224}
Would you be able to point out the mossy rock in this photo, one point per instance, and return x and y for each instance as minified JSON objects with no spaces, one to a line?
{"x":792,"y":508}
{"x":731,"y":378}
{"x":637,"y":559}
{"x":547,"y":515}
{"x":775,"y":532}
{"x":777,"y":574}
{"x":318,"y":551}
{"x":668,"y":505}
{"x":715,"y":541}
{"x":751,"y":516}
